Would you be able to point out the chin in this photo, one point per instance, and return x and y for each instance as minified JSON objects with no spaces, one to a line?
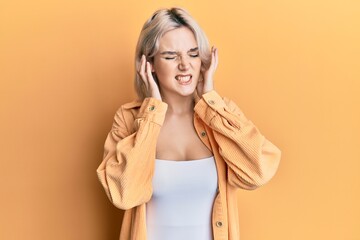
{"x":188,"y":90}
{"x":188,"y":94}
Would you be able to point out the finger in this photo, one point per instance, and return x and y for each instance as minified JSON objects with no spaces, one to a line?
{"x":149,"y":76}
{"x":142,"y":71}
{"x":212,"y":63}
{"x":216,"y":57}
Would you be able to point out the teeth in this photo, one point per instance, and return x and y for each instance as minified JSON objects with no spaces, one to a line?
{"x":183,"y":78}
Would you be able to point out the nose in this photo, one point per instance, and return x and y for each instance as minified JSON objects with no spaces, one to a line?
{"x":184,"y":64}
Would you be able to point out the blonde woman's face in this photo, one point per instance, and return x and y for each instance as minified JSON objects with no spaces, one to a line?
{"x":177,"y":63}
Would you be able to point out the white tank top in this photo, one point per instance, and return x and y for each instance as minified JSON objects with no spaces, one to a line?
{"x":182,"y":200}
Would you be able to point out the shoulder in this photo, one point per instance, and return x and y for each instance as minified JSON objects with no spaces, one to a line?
{"x":128,"y":111}
{"x":131,"y":105}
{"x":216,"y":101}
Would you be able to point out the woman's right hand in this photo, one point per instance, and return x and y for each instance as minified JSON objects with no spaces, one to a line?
{"x":152,"y":89}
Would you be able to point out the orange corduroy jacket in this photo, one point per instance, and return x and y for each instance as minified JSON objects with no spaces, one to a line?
{"x":244,"y":159}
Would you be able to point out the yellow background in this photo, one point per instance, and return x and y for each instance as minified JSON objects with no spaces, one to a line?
{"x":292,"y":66}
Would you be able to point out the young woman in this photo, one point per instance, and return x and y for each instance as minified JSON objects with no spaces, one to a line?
{"x":174,"y":158}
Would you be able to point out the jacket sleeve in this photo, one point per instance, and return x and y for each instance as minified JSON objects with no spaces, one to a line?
{"x":129,"y":156}
{"x":251,"y":159}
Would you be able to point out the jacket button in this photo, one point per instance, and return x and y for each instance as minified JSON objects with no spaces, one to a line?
{"x":212,"y":102}
{"x":219,"y":224}
{"x":151,"y":108}
{"x":203,"y":133}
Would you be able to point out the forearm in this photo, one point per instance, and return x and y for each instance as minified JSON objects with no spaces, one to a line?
{"x":127,"y":167}
{"x":252,"y":160}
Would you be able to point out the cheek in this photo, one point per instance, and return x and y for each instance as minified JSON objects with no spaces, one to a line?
{"x":161,"y":68}
{"x":197,"y":64}
{"x":163,"y":71}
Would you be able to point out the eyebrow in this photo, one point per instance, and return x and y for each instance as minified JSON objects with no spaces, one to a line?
{"x":174,"y":53}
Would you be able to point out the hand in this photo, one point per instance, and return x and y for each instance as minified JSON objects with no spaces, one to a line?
{"x":152,"y":89}
{"x":206,"y":82}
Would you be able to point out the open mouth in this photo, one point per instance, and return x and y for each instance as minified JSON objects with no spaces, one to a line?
{"x":184,"y":79}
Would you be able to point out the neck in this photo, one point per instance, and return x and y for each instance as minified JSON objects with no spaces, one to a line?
{"x":179,"y":105}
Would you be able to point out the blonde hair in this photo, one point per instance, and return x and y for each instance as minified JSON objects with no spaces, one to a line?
{"x":162,"y":21}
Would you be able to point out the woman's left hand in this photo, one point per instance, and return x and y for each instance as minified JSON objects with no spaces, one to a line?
{"x":206,"y":82}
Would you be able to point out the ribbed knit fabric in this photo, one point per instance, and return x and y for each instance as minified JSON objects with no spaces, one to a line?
{"x":244,"y":159}
{"x":181,"y":204}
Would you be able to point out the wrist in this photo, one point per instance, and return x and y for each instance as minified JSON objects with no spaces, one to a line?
{"x":208,"y":89}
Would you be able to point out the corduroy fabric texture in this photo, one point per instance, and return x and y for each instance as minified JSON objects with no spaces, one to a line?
{"x":244,"y":159}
